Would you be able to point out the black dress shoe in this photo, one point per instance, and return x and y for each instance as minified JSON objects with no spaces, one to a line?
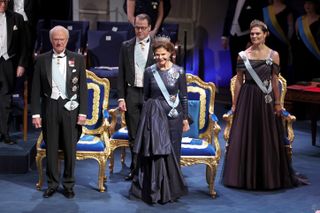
{"x":49,"y":192}
{"x":129,"y":176}
{"x":68,"y":193}
{"x":8,"y":140}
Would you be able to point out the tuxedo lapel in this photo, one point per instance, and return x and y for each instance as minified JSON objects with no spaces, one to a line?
{"x":48,"y":64}
{"x":131,"y":54}
{"x":150,"y":55}
{"x":70,"y":66}
{"x":10,"y":24}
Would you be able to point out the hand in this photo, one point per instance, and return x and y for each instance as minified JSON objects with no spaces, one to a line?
{"x":185,"y":126}
{"x":224,"y":43}
{"x":277,"y":109}
{"x":122,"y":106}
{"x":233,"y":108}
{"x":20,"y":71}
{"x":37,"y":122}
{"x":81,"y":120}
{"x":153,"y":33}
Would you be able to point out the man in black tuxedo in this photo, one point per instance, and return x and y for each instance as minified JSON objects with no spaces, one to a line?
{"x":12,"y":62}
{"x":29,"y":10}
{"x":59,"y":106}
{"x":135,"y":55}
{"x":239,"y":15}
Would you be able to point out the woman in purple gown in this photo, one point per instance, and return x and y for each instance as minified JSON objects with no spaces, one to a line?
{"x":164,"y":116}
{"x":256,"y":158}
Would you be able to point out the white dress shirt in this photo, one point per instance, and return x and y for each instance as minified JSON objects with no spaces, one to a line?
{"x":143,"y":47}
{"x":19,"y":8}
{"x":3,"y":36}
{"x":62,"y":66}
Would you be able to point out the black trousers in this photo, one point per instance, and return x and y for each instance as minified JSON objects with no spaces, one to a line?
{"x":237,"y":44}
{"x":134,"y":102}
{"x":60,"y":131}
{"x":5,"y":94}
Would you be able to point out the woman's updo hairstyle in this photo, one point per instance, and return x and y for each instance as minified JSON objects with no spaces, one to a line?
{"x":260,"y":24}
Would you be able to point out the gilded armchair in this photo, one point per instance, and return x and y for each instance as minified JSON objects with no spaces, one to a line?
{"x":200,"y":144}
{"x":94,"y":140}
{"x":287,"y":118}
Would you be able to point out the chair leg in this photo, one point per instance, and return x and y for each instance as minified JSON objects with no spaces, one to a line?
{"x":101,"y":175}
{"x":111,"y":164}
{"x":210,"y":176}
{"x":123,"y":156}
{"x":39,"y":159}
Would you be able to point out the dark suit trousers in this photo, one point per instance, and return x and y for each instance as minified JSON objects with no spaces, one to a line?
{"x":237,"y":44}
{"x":60,"y":132}
{"x":134,"y":102}
{"x":5,"y":95}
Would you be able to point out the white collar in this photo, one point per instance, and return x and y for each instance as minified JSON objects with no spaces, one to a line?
{"x":56,"y":55}
{"x":145,"y":40}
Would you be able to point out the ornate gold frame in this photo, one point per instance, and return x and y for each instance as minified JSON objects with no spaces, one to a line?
{"x":100,"y":157}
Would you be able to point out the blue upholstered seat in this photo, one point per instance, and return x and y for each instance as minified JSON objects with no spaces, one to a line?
{"x":120,"y":134}
{"x":196,"y":147}
{"x":94,"y":141}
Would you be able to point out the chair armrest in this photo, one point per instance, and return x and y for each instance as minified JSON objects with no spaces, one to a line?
{"x":114,"y":119}
{"x":216,"y":129}
{"x":113,"y":114}
{"x":39,"y":140}
{"x":228,"y":117}
{"x":288,"y":119}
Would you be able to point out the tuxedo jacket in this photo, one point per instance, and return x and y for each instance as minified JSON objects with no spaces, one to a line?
{"x":75,"y":81}
{"x":16,"y":45}
{"x":252,"y":9}
{"x":126,"y":76}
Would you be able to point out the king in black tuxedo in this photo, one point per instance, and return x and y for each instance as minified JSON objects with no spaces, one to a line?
{"x":12,"y":62}
{"x":59,"y":106}
{"x":130,"y":86}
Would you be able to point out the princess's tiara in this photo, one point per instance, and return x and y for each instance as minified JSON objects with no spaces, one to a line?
{"x":162,"y":37}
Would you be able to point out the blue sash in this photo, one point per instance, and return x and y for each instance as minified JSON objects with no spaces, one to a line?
{"x":172,"y":103}
{"x":270,"y":19}
{"x":307,"y":37}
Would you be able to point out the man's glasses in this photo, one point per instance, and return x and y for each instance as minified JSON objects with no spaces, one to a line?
{"x":4,"y":1}
{"x":137,"y":27}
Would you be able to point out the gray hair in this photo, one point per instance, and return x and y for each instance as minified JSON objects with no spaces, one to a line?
{"x":58,"y":28}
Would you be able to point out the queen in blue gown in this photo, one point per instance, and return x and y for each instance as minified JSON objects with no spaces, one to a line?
{"x":158,"y":177}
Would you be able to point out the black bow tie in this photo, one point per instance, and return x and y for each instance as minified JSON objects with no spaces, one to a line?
{"x":58,"y":56}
